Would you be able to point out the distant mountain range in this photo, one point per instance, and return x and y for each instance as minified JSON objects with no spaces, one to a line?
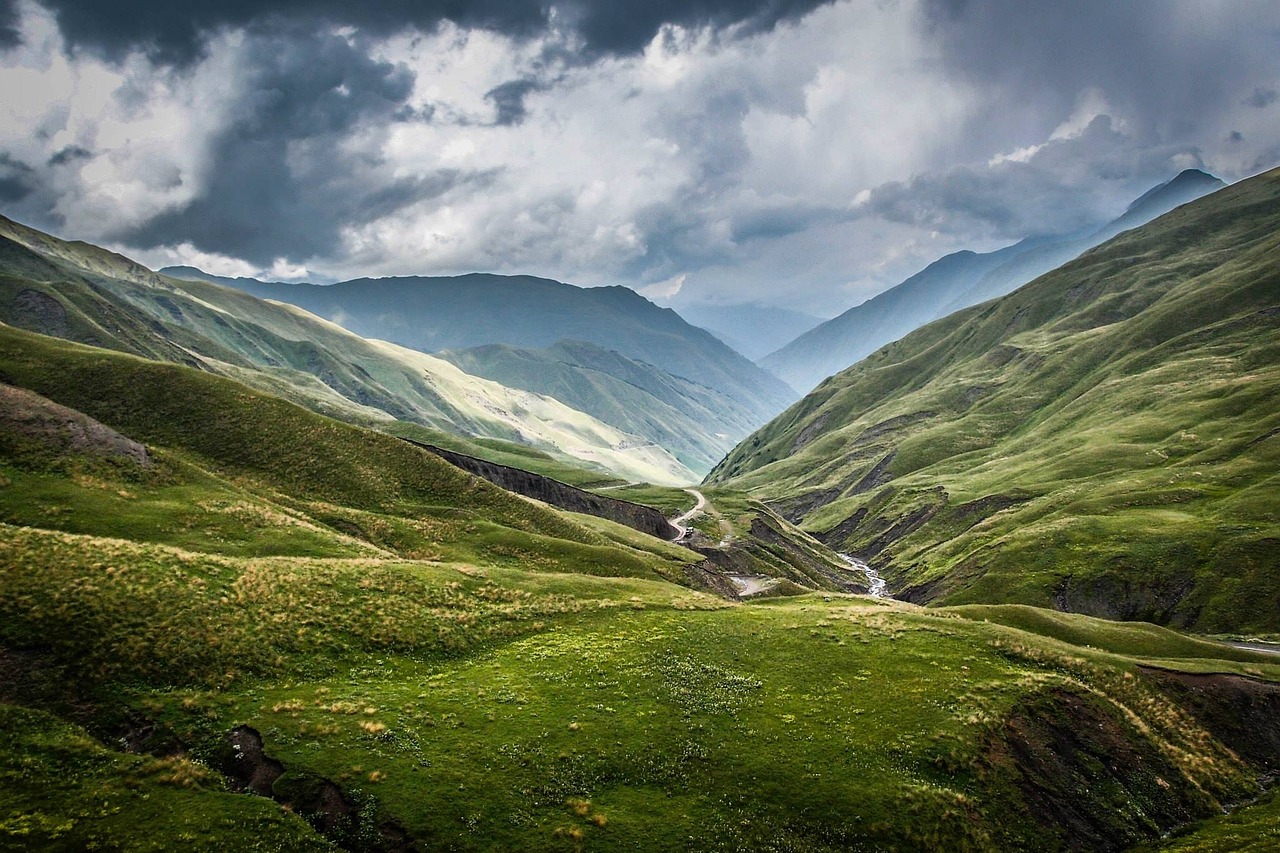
{"x":432,"y":314}
{"x":84,"y":293}
{"x":711,"y":395}
{"x":751,"y":328}
{"x":957,"y":281}
{"x":1102,"y":440}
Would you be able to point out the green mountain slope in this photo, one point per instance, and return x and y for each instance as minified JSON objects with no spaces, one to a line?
{"x":84,"y":293}
{"x":496,"y":709}
{"x":460,"y":312}
{"x":958,"y":281}
{"x":1102,"y":440}
{"x":230,"y":470}
{"x":697,"y":424}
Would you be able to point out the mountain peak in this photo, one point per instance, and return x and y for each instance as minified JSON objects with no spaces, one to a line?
{"x":1191,"y":183}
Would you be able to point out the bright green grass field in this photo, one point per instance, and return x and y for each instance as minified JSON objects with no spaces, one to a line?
{"x":489,"y":708}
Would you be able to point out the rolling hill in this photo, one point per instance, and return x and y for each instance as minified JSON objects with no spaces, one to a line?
{"x":271,"y":630}
{"x":460,"y":312}
{"x":83,"y":293}
{"x":1102,"y":440}
{"x":958,"y":281}
{"x":228,"y":622}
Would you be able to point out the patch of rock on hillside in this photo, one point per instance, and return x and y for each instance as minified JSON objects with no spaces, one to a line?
{"x":637,"y":517}
{"x":1088,"y":777}
{"x":63,"y":429}
{"x":332,"y":812}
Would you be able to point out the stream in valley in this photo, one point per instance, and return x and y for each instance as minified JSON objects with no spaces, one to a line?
{"x":878,"y":587}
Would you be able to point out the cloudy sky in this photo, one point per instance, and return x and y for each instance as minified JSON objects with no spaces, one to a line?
{"x":793,"y":152}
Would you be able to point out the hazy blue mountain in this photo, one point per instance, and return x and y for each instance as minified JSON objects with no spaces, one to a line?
{"x":753,"y":329}
{"x":958,"y":281}
{"x":432,"y":314}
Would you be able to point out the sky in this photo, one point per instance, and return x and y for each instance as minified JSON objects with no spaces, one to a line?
{"x":787,"y":152}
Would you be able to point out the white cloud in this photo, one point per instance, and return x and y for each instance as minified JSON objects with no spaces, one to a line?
{"x":664,"y":290}
{"x":185,"y":254}
{"x":115,"y":145}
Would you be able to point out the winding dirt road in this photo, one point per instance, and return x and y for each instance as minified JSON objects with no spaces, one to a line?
{"x":679,"y":522}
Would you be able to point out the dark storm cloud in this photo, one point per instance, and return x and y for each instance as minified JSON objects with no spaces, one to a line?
{"x":17,"y":179}
{"x":783,"y":220}
{"x":1066,"y":185}
{"x":9,"y":35}
{"x":508,"y":100}
{"x":175,"y":32}
{"x":1170,"y":69}
{"x":280,"y":184}
{"x":1261,"y":98}
{"x":69,"y":155}
{"x":623,"y":26}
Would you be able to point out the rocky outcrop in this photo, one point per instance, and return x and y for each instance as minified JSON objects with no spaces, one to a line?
{"x":350,"y":821}
{"x":1089,"y":777}
{"x":63,"y":430}
{"x":643,"y":518}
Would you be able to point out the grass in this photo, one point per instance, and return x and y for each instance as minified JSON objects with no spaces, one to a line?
{"x":485,"y":708}
{"x":62,"y":790}
{"x":240,"y":472}
{"x":1102,"y":440}
{"x":695,"y":423}
{"x":507,"y":453}
{"x":479,"y":706}
{"x":1255,"y":829}
{"x":1134,"y":639}
{"x":481,"y":672}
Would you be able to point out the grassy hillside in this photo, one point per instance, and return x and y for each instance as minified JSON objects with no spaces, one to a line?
{"x":1102,"y":440}
{"x":478,"y":708}
{"x":234,"y":471}
{"x":83,"y":293}
{"x":697,"y":424}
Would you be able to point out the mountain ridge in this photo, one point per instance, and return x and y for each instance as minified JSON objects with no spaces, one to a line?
{"x":957,"y":281}
{"x":85,"y":293}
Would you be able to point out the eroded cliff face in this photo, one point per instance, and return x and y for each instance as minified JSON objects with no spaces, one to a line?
{"x":645,"y":519}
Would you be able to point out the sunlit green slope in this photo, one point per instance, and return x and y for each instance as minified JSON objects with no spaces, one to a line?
{"x":84,"y":293}
{"x":698,"y":424}
{"x":234,"y":471}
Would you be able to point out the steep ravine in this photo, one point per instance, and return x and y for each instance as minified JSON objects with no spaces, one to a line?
{"x":645,"y":519}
